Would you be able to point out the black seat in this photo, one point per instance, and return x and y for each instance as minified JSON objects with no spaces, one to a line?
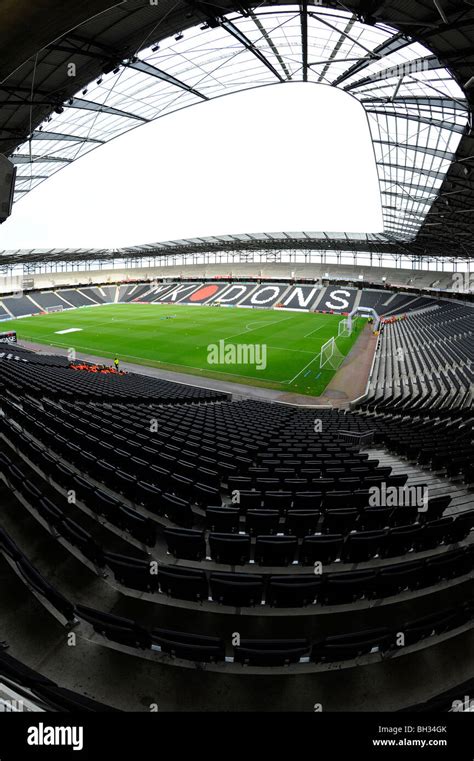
{"x":398,"y":480}
{"x":437,"y":506}
{"x":275,"y":550}
{"x":193,"y":647}
{"x":105,"y":472}
{"x":277,"y":500}
{"x":270,"y":652}
{"x":347,"y":646}
{"x":205,"y":495}
{"x":249,"y":500}
{"x":461,"y":527}
{"x":232,"y":549}
{"x":342,"y":588}
{"x":142,"y":529}
{"x":78,"y":537}
{"x":105,"y":505}
{"x":183,"y":583}
{"x":293,"y":591}
{"x":340,"y":521}
{"x":361,"y":498}
{"x":373,"y":518}
{"x":393,"y":579}
{"x":8,"y":545}
{"x":133,"y":572}
{"x":49,"y":511}
{"x":122,"y":630}
{"x":323,"y":548}
{"x":178,"y":510}
{"x":363,"y":545}
{"x":185,"y":543}
{"x":236,"y":589}
{"x":262,"y":522}
{"x":222,"y":519}
{"x":449,"y":565}
{"x":401,"y":539}
{"x":307,"y":500}
{"x":125,"y":484}
{"x":181,"y":486}
{"x":435,"y":623}
{"x":149,"y":496}
{"x":434,"y":533}
{"x":302,"y":522}
{"x":337,"y":500}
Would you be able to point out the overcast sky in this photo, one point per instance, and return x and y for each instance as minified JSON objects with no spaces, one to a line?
{"x":282,"y":158}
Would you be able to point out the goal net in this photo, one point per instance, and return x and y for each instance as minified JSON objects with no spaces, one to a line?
{"x":330,"y":355}
{"x":50,"y":310}
{"x":344,"y":329}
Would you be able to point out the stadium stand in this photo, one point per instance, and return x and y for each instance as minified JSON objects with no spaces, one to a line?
{"x":168,"y":546}
{"x":425,"y":362}
{"x":199,"y":516}
{"x":234,"y":502}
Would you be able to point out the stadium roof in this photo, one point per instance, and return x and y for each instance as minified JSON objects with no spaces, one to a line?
{"x":411,"y":65}
{"x":369,"y":243}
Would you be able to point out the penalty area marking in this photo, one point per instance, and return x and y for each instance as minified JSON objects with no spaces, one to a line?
{"x":259,"y":325}
{"x":69,"y":330}
{"x":304,"y":368}
{"x":314,"y":331}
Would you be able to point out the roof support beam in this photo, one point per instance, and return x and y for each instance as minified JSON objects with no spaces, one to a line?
{"x":414,"y":170}
{"x":414,"y":199}
{"x":40,"y":135}
{"x":29,"y":177}
{"x":240,"y":36}
{"x":436,"y":102}
{"x":439,"y":123}
{"x":304,"y":38}
{"x":418,"y":148}
{"x":395,"y":43}
{"x":271,"y":44}
{"x":337,"y":47}
{"x":147,"y":68}
{"x":20,"y":158}
{"x":15,"y":98}
{"x":401,"y":69}
{"x":89,"y":105}
{"x":411,"y":185}
{"x":323,"y":20}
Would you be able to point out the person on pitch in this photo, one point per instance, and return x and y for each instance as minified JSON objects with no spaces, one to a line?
{"x":117,"y":363}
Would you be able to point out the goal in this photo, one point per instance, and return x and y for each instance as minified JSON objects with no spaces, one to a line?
{"x":346,"y":326}
{"x":330,"y":355}
{"x":51,"y":310}
{"x":344,"y":329}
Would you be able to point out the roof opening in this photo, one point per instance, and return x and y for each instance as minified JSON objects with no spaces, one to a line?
{"x":288,"y":157}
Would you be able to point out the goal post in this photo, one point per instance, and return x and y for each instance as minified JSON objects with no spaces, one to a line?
{"x":344,"y":329}
{"x":52,"y":310}
{"x":330,"y":355}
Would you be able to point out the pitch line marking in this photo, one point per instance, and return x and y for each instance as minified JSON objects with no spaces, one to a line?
{"x":146,"y":362}
{"x":313,"y":331}
{"x":251,"y":330}
{"x":304,"y":368}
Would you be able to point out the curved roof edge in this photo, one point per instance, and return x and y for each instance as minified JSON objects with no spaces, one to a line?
{"x":371,"y":243}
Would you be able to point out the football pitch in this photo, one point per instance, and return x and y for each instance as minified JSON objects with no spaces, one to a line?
{"x":284,"y":351}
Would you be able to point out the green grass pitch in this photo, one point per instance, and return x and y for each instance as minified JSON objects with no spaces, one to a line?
{"x":139,"y":333}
